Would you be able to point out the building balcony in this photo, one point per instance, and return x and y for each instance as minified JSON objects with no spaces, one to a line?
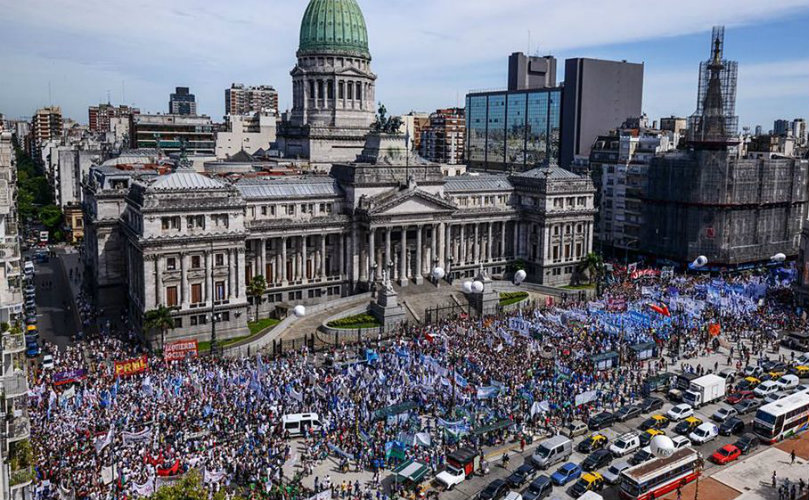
{"x":21,"y":478}
{"x":9,"y":251}
{"x":15,"y":385}
{"x":18,"y":428}
{"x":13,"y":342}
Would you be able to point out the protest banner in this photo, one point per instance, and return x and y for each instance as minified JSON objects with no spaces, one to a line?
{"x":69,"y":376}
{"x":180,"y":349}
{"x":131,"y":366}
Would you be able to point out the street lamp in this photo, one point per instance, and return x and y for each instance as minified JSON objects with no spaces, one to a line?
{"x":519,"y":277}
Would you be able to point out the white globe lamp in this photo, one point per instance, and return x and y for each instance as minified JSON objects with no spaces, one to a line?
{"x":779,"y":257}
{"x":662,"y":446}
{"x":519,"y":276}
{"x":438,"y":273}
{"x":700,"y":261}
{"x":477,"y":287}
{"x":467,"y":287}
{"x":299,"y":311}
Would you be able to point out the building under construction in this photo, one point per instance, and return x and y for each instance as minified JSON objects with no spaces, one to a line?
{"x":709,"y":200}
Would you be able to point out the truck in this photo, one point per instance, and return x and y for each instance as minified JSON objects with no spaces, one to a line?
{"x":681,"y":384}
{"x":704,"y":390}
{"x":461,"y":464}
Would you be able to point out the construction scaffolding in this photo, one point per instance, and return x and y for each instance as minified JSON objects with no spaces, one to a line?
{"x":719,"y":72}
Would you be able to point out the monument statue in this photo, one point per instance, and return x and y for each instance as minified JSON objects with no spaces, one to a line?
{"x":384,"y":124}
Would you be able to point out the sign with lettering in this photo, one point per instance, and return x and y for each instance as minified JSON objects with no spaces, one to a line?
{"x":131,"y":366}
{"x":180,"y":349}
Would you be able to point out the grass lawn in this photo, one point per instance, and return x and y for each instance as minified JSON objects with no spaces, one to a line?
{"x":254,"y":326}
{"x":508,"y":298}
{"x":363,"y":320}
{"x":586,"y":286}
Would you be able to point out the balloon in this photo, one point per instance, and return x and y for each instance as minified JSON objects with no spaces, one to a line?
{"x":779,"y":257}
{"x":662,"y":446}
{"x":700,"y":261}
{"x":477,"y":286}
{"x":438,"y":273}
{"x":519,"y":276}
{"x":467,"y":286}
{"x":299,"y":311}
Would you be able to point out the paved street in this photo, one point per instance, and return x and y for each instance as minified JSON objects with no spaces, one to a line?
{"x":56,"y":320}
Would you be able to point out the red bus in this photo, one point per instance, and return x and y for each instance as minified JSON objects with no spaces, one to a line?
{"x":660,"y":476}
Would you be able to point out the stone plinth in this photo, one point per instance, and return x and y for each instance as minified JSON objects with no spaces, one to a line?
{"x":387,"y":309}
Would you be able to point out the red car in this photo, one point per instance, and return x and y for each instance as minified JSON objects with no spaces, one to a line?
{"x":726,"y":454}
{"x":738,"y":397}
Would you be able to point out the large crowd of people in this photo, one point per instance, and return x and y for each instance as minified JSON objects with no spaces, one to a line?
{"x":434,"y":387}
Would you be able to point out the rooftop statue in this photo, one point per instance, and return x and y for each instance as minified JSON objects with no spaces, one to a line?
{"x":384,"y":124}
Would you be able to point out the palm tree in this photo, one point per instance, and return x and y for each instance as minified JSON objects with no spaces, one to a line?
{"x":256,"y":289}
{"x":592,"y":264}
{"x":159,"y":319}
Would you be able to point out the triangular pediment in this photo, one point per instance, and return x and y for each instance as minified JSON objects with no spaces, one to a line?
{"x":410,"y":202}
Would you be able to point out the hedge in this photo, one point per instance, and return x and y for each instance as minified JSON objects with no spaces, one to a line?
{"x":363,"y":320}
{"x":508,"y":298}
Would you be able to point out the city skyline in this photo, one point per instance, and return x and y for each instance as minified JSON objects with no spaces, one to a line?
{"x":212,"y":50}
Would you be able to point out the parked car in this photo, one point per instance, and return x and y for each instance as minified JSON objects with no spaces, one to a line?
{"x":627,"y":412}
{"x":654,"y":422}
{"x":494,"y":490}
{"x":651,"y":404}
{"x":587,"y":482}
{"x":766,"y":388}
{"x":733,"y":425}
{"x":800,"y":371}
{"x":747,"y":406}
{"x":601,"y":421}
{"x":647,"y":435}
{"x":723,"y":414}
{"x":679,"y":412}
{"x":574,"y":428}
{"x":787,"y":382}
{"x":680,"y":442}
{"x":748,"y":384}
{"x":522,"y":475}
{"x":643,"y":455}
{"x":686,"y":426}
{"x":772,"y":398}
{"x":625,"y":444}
{"x":551,"y":451}
{"x":739,"y":396}
{"x":566,"y":473}
{"x":729,"y":374}
{"x":597,"y":460}
{"x":753,"y":371}
{"x":613,"y":473}
{"x":540,"y":488}
{"x":704,"y":433}
{"x":47,"y":362}
{"x":726,"y":454}
{"x":592,"y":443}
{"x":747,"y":443}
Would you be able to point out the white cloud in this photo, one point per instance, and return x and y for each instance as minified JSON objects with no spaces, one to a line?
{"x":426,"y":52}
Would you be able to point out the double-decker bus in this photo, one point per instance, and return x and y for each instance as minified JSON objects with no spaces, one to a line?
{"x":660,"y":476}
{"x":783,"y":418}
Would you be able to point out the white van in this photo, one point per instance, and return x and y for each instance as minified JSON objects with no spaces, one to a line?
{"x":28,"y":268}
{"x":552,"y":450}
{"x":704,"y":433}
{"x":297,"y":423}
{"x":626,"y":443}
{"x":766,"y":388}
{"x":787,"y":381}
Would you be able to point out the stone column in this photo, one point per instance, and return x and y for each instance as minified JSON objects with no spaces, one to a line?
{"x":263,"y":260}
{"x":207,"y":281}
{"x":304,"y":259}
{"x":231,"y":273}
{"x":341,"y":255}
{"x":158,"y":282}
{"x":284,"y":277}
{"x":435,"y":232}
{"x":388,"y":255}
{"x":371,"y":253}
{"x":403,"y":259}
{"x":462,"y":246}
{"x":476,"y":244}
{"x":516,"y":250}
{"x":502,"y":252}
{"x":489,"y":243}
{"x":323,"y":247}
{"x":362,"y":254}
{"x":442,"y":244}
{"x":419,"y":268}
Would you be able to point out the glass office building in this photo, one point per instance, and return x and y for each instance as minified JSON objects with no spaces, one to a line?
{"x":513,"y":130}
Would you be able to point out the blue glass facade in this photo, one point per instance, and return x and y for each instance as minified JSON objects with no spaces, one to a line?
{"x":513,"y":130}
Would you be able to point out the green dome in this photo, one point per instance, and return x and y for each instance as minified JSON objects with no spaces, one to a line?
{"x":334,"y":27}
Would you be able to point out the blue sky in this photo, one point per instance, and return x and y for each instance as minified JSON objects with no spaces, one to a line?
{"x":427,"y":54}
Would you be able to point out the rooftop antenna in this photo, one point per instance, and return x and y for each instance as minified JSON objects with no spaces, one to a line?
{"x":529,"y":43}
{"x":108,"y":98}
{"x":123,"y":93}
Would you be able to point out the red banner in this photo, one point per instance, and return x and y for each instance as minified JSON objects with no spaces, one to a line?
{"x":131,"y":366}
{"x":714,"y":329}
{"x":180,"y":349}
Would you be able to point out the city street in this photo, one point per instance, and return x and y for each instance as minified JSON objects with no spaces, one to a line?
{"x":56,"y":320}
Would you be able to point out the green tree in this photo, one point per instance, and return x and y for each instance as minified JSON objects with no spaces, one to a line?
{"x":159,"y":319}
{"x":593,"y":265}
{"x":256,"y":289}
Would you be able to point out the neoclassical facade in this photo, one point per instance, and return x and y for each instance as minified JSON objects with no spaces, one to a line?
{"x":193,"y":243}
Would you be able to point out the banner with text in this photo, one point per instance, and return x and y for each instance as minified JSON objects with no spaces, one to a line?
{"x":131,"y":366}
{"x":180,"y":350}
{"x":69,"y":376}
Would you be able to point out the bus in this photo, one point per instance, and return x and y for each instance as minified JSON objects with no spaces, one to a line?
{"x":660,"y":476}
{"x":783,"y":418}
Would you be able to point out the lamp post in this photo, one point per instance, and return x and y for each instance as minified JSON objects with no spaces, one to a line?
{"x":214,"y":316}
{"x":449,"y":270}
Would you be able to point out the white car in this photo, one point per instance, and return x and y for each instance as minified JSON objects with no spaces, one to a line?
{"x":724,"y":413}
{"x":47,"y":362}
{"x":766,"y":388}
{"x":801,"y":388}
{"x":626,"y":443}
{"x":613,"y":473}
{"x":680,"y":442}
{"x":450,"y":477}
{"x":803,"y":359}
{"x":787,"y":381}
{"x":679,"y":412}
{"x":772,"y":398}
{"x":704,"y":433}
